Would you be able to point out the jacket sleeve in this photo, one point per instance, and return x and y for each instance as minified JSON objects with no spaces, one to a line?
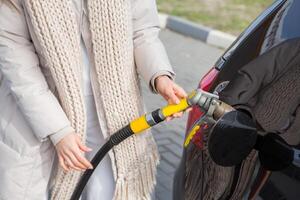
{"x":20,"y":68}
{"x":150,"y":56}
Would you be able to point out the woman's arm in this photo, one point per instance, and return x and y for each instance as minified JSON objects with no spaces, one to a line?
{"x":150,"y":55}
{"x":19,"y":65}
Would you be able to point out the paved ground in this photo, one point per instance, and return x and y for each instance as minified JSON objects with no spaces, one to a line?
{"x":191,"y":60}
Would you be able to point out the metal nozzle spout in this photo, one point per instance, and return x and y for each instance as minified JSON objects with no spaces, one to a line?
{"x":220,"y":109}
{"x":201,"y":98}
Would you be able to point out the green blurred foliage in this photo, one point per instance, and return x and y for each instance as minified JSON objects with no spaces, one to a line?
{"x":227,"y":15}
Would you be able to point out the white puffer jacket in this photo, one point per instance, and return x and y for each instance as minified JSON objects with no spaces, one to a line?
{"x":31,"y":117}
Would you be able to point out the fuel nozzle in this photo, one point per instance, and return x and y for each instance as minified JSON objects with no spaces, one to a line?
{"x":234,"y":135}
{"x":212,"y":108}
{"x":209,"y":103}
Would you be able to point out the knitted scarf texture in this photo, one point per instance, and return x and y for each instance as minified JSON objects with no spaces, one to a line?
{"x":134,"y":161}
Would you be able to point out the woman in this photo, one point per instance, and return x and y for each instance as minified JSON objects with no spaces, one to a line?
{"x":68,"y":72}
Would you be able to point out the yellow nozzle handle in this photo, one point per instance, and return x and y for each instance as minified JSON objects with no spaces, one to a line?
{"x":148,"y":120}
{"x":169,"y":110}
{"x":140,"y":124}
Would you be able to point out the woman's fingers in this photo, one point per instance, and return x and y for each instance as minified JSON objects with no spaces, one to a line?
{"x":179,"y":91}
{"x":171,"y":97}
{"x":70,"y":163}
{"x":75,"y":161}
{"x":169,"y":119}
{"x":79,"y":156}
{"x":177,"y":115}
{"x":70,"y":150}
{"x":170,"y":91}
{"x":74,"y":158}
{"x":62,"y":163}
{"x":83,"y":161}
{"x":189,"y":109}
{"x":82,"y":147}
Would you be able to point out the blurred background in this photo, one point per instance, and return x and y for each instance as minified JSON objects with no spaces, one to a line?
{"x":231,"y":16}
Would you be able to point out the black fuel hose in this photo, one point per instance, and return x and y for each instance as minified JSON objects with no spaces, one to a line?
{"x":115,"y":139}
{"x":135,"y":127}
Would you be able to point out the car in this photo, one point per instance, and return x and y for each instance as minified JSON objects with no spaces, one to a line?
{"x":275,"y":27}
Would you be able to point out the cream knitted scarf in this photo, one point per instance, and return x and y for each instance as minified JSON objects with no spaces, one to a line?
{"x":55,"y":26}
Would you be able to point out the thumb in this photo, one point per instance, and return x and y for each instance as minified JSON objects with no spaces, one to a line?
{"x":172,"y":97}
{"x":179,"y":91}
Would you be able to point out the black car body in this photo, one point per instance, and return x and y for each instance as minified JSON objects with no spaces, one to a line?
{"x":277,"y":24}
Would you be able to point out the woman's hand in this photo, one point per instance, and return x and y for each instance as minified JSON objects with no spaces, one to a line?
{"x":171,"y":92}
{"x":70,"y":151}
